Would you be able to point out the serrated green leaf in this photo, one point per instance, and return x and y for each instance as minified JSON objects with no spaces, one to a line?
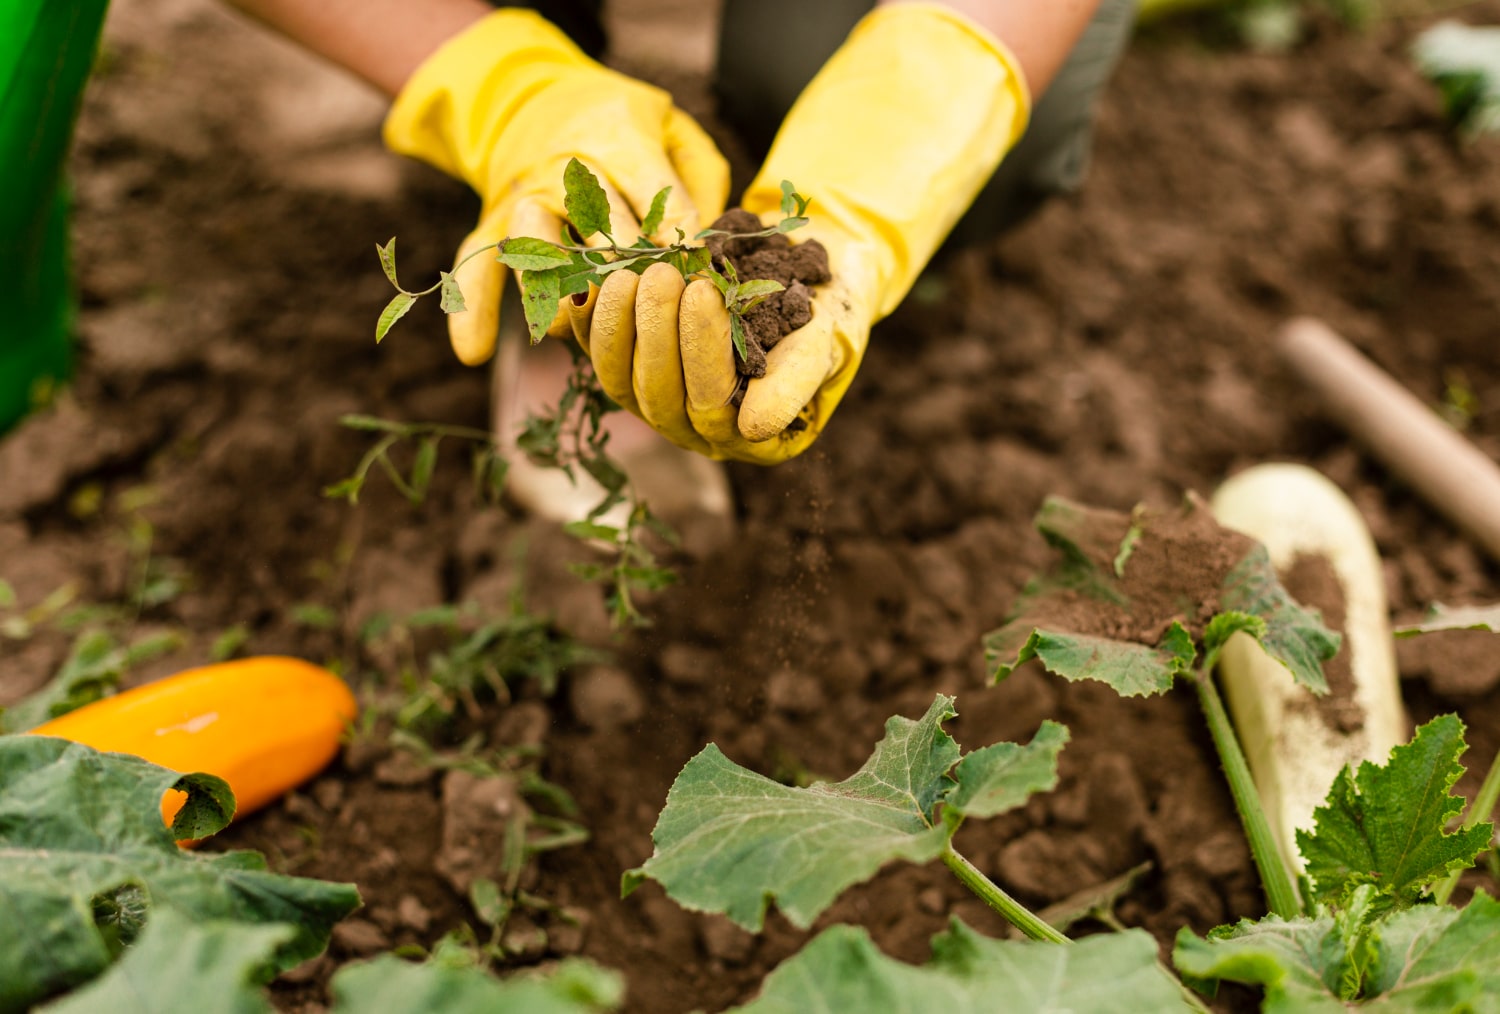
{"x":180,"y":965}
{"x":387,"y":256}
{"x":730,"y":840}
{"x":452,"y":298}
{"x":392,"y":986}
{"x":540,"y":297}
{"x":1421,"y":960}
{"x":394,"y":311}
{"x":696,"y":260}
{"x":1385,"y":825}
{"x":76,"y":824}
{"x":1441,"y":617}
{"x":842,"y":970}
{"x":1224,"y":626}
{"x":652,"y":222}
{"x":1464,"y":62}
{"x":1131,"y":670}
{"x":584,"y":200}
{"x":1294,"y":636}
{"x":523,"y":253}
{"x":1000,"y":777}
{"x":1300,"y":963}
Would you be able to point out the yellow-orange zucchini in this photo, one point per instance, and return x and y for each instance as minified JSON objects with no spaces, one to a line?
{"x":264,"y":725}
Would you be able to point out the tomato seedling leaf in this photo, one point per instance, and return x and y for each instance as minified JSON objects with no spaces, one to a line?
{"x":387,"y":256}
{"x":1385,"y":825}
{"x":523,"y":253}
{"x":77,"y":825}
{"x":540,"y":298}
{"x":843,"y":970}
{"x":452,"y":298}
{"x":731,"y":841}
{"x":652,"y":222}
{"x":400,"y":303}
{"x":584,"y":200}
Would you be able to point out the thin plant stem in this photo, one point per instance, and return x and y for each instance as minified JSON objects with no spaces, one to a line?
{"x":1281,"y":893}
{"x":1015,"y":913}
{"x":1483,"y":808}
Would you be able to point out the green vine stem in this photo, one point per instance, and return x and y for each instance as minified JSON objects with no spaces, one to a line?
{"x":1015,"y":913}
{"x":1281,"y":892}
{"x":1483,"y":808}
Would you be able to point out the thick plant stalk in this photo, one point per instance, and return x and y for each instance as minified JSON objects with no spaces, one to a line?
{"x":1275,"y":875}
{"x":1295,"y":748}
{"x":1015,"y":913}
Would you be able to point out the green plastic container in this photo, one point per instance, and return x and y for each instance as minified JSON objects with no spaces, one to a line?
{"x":46,"y":50}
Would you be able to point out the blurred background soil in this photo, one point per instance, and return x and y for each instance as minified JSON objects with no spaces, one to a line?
{"x":1114,"y":349}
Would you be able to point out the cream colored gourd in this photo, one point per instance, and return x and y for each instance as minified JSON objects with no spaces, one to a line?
{"x":1293,"y":751}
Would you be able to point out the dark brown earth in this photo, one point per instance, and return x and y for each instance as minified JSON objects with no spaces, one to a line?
{"x":1114,"y":350}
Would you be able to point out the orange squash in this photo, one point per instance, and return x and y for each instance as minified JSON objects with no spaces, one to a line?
{"x":264,"y":725}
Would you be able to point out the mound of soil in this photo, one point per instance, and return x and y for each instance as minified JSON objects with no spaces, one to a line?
{"x":1113,"y":350}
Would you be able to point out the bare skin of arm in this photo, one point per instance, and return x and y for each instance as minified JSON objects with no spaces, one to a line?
{"x":381,"y":41}
{"x":1041,"y":33}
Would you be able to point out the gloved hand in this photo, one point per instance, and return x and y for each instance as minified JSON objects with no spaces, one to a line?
{"x":891,"y":141}
{"x":504,"y":105}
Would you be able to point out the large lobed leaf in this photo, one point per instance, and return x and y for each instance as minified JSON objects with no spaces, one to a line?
{"x":1386,"y":825}
{"x":1427,"y":959}
{"x":1132,"y":596}
{"x":183,"y":966}
{"x":842,"y":970}
{"x":81,"y":831}
{"x":730,"y":840}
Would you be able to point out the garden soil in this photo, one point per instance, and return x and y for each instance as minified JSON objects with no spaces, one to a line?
{"x":1114,"y":349}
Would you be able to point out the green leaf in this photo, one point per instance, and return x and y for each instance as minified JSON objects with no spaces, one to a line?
{"x":392,"y":986}
{"x":7,"y":595}
{"x":91,"y":672}
{"x":1224,"y":626}
{"x":423,"y":466}
{"x":584,"y":200}
{"x":590,"y":530}
{"x":540,"y":298}
{"x":1464,"y":62}
{"x":842,"y":970}
{"x":182,"y":965}
{"x":371,"y":423}
{"x":1385,"y":825}
{"x":208,"y":809}
{"x":737,"y":334}
{"x":1131,"y":670}
{"x":792,"y":203}
{"x":757,"y":287}
{"x":394,"y":311}
{"x":1421,"y":960}
{"x":77,"y":825}
{"x":523,"y":253}
{"x":1294,"y":636}
{"x":229,"y":642}
{"x":452,"y":298}
{"x":791,"y":224}
{"x":1441,"y":617}
{"x":652,"y":221}
{"x":698,"y":259}
{"x":387,"y":256}
{"x":1000,"y":777}
{"x":1300,"y":963}
{"x":730,"y":840}
{"x":311,"y":614}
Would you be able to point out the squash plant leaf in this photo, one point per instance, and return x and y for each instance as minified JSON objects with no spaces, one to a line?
{"x":1386,"y":825}
{"x":1428,"y":958}
{"x":731,"y":841}
{"x":843,"y":970}
{"x":91,"y":672}
{"x":1131,"y":597}
{"x":1440,"y":617}
{"x":181,"y":965}
{"x":392,"y":986}
{"x":82,"y":840}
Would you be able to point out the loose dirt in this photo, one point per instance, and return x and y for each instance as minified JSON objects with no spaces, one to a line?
{"x":1114,"y":350}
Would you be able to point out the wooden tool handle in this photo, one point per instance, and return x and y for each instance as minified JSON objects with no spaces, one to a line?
{"x":1457,"y":478}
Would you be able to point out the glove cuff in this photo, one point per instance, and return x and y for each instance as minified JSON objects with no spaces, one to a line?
{"x":893,"y":139}
{"x":461,"y":97}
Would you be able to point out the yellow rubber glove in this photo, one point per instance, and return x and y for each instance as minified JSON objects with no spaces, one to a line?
{"x":891,"y":141}
{"x":503,"y":106}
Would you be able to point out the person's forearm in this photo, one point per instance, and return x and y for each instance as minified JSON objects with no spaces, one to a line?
{"x":1041,"y":33}
{"x":382,"y":41}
